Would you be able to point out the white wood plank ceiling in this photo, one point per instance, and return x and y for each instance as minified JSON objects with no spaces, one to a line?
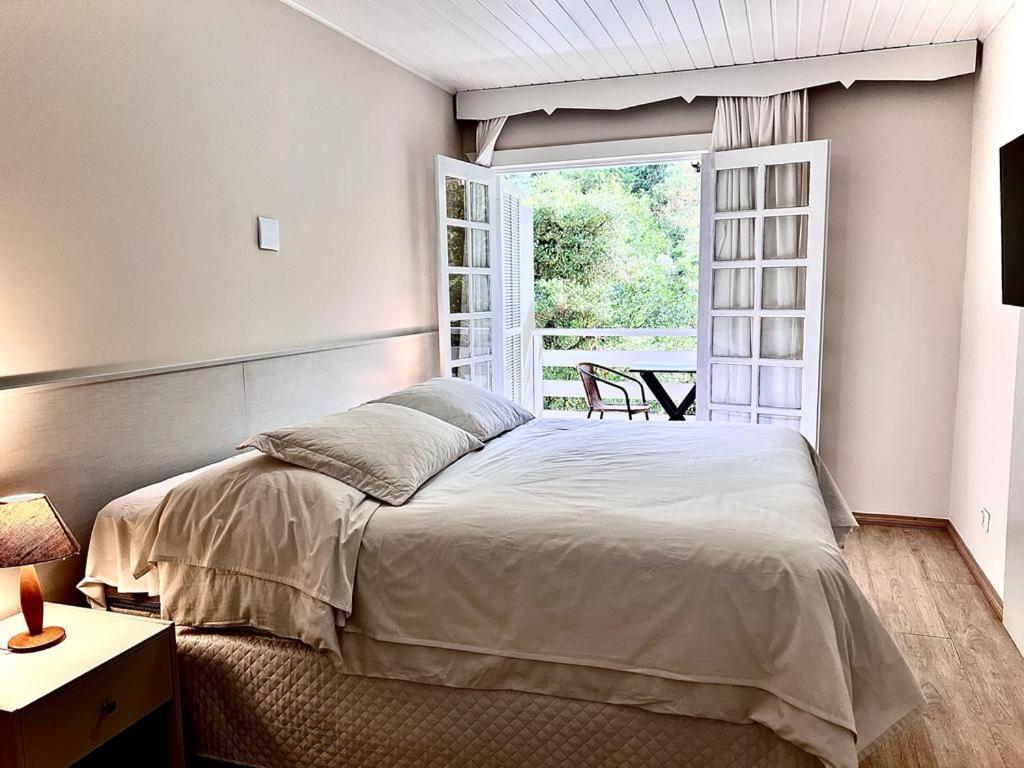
{"x":472,"y":44}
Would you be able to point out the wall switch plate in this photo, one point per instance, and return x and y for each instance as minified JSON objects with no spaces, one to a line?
{"x":269,"y":233}
{"x":986,"y":520}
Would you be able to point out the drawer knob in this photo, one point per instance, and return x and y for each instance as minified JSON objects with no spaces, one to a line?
{"x":108,"y":707}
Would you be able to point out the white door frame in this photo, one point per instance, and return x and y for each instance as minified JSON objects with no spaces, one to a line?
{"x":694,"y":148}
{"x":602,"y":154}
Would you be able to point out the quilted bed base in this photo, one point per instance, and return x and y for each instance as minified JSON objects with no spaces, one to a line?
{"x":271,"y":703}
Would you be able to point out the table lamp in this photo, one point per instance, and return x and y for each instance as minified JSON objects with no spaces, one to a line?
{"x":32,"y":532}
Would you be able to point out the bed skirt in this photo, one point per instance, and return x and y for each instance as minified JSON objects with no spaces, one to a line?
{"x":270,"y":703}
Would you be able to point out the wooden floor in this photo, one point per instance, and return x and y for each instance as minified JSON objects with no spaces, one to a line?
{"x":970,"y":670}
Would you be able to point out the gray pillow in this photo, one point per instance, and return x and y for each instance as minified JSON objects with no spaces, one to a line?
{"x":383,"y":450}
{"x":465,"y":405}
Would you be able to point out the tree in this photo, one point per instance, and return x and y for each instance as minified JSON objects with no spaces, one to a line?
{"x":615,"y":247}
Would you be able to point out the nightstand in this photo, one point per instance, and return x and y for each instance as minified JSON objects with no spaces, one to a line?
{"x":112,"y":674}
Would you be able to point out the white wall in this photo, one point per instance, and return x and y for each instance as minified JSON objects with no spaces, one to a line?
{"x":140,"y":140}
{"x":1013,"y":592}
{"x":989,"y":335}
{"x":896,"y":236}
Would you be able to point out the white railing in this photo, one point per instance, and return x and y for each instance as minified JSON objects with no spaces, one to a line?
{"x":621,"y":359}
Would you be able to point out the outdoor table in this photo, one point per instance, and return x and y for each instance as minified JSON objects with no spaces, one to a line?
{"x":649,"y":373}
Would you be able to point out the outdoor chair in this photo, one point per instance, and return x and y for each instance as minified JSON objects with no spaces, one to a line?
{"x":589,"y":375}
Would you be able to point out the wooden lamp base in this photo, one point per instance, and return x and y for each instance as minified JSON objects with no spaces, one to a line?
{"x":26,"y":643}
{"x":38,"y":637}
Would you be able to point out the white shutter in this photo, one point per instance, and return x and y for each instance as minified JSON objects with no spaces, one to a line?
{"x":516,"y":245}
{"x":527,"y":306}
{"x":469,"y":284}
{"x":761,"y":293}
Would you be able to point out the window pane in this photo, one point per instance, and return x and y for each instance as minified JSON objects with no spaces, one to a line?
{"x":782,"y":338}
{"x":730,"y":384}
{"x":733,"y":289}
{"x":478,"y":202}
{"x":458,"y":293}
{"x":793,"y":422}
{"x":482,"y":374}
{"x":734,"y":239}
{"x":457,"y":247}
{"x":481,"y":293}
{"x":735,"y":189}
{"x":460,"y":339}
{"x":779,"y":387}
{"x":784,"y":288}
{"x":480,"y":250}
{"x":455,"y":197}
{"x":786,"y":185}
{"x":730,"y":337}
{"x":785,"y":237}
{"x":463,"y":372}
{"x":735,"y":417}
{"x":482,"y":337}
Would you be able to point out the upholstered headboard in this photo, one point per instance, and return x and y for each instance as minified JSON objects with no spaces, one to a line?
{"x":85,"y":438}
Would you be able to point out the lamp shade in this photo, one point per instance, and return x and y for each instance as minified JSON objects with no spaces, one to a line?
{"x":32,"y":532}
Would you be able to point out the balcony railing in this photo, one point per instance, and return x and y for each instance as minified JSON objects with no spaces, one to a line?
{"x":545,"y":359}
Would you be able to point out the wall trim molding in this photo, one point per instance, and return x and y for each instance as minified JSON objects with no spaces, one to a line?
{"x":920,"y":62}
{"x":993,"y":598}
{"x":900,"y":521}
{"x":658,"y":149}
{"x":940,"y":523}
{"x":73,"y":377}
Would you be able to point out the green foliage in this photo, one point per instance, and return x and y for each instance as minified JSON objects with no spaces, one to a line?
{"x":641,"y":178}
{"x":615,"y":247}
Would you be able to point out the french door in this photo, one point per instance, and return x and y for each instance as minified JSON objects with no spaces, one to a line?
{"x":761,"y":285}
{"x":469,"y":294}
{"x":485,"y":237}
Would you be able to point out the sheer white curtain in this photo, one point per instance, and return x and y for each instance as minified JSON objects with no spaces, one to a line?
{"x":741,"y":123}
{"x":487,"y":132}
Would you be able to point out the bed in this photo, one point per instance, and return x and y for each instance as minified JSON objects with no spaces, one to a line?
{"x":575,"y":593}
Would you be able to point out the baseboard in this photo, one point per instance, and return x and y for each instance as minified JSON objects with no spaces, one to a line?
{"x":900,"y":521}
{"x":993,"y":598}
{"x":942,"y":524}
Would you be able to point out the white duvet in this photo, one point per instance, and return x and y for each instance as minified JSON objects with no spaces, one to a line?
{"x":683,"y":568}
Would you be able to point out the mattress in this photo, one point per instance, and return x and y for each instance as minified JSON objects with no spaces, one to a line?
{"x":272,"y":703}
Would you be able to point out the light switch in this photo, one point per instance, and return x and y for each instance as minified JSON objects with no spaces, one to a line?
{"x":269,"y":234}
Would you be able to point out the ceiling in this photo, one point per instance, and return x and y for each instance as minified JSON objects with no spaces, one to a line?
{"x":472,"y":44}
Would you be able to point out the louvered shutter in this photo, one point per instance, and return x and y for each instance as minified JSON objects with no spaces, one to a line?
{"x":517,"y":289}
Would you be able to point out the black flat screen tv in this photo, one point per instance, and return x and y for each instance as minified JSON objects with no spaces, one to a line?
{"x":1011,"y":185}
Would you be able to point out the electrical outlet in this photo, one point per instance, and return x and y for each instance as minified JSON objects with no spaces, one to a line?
{"x":986,"y":520}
